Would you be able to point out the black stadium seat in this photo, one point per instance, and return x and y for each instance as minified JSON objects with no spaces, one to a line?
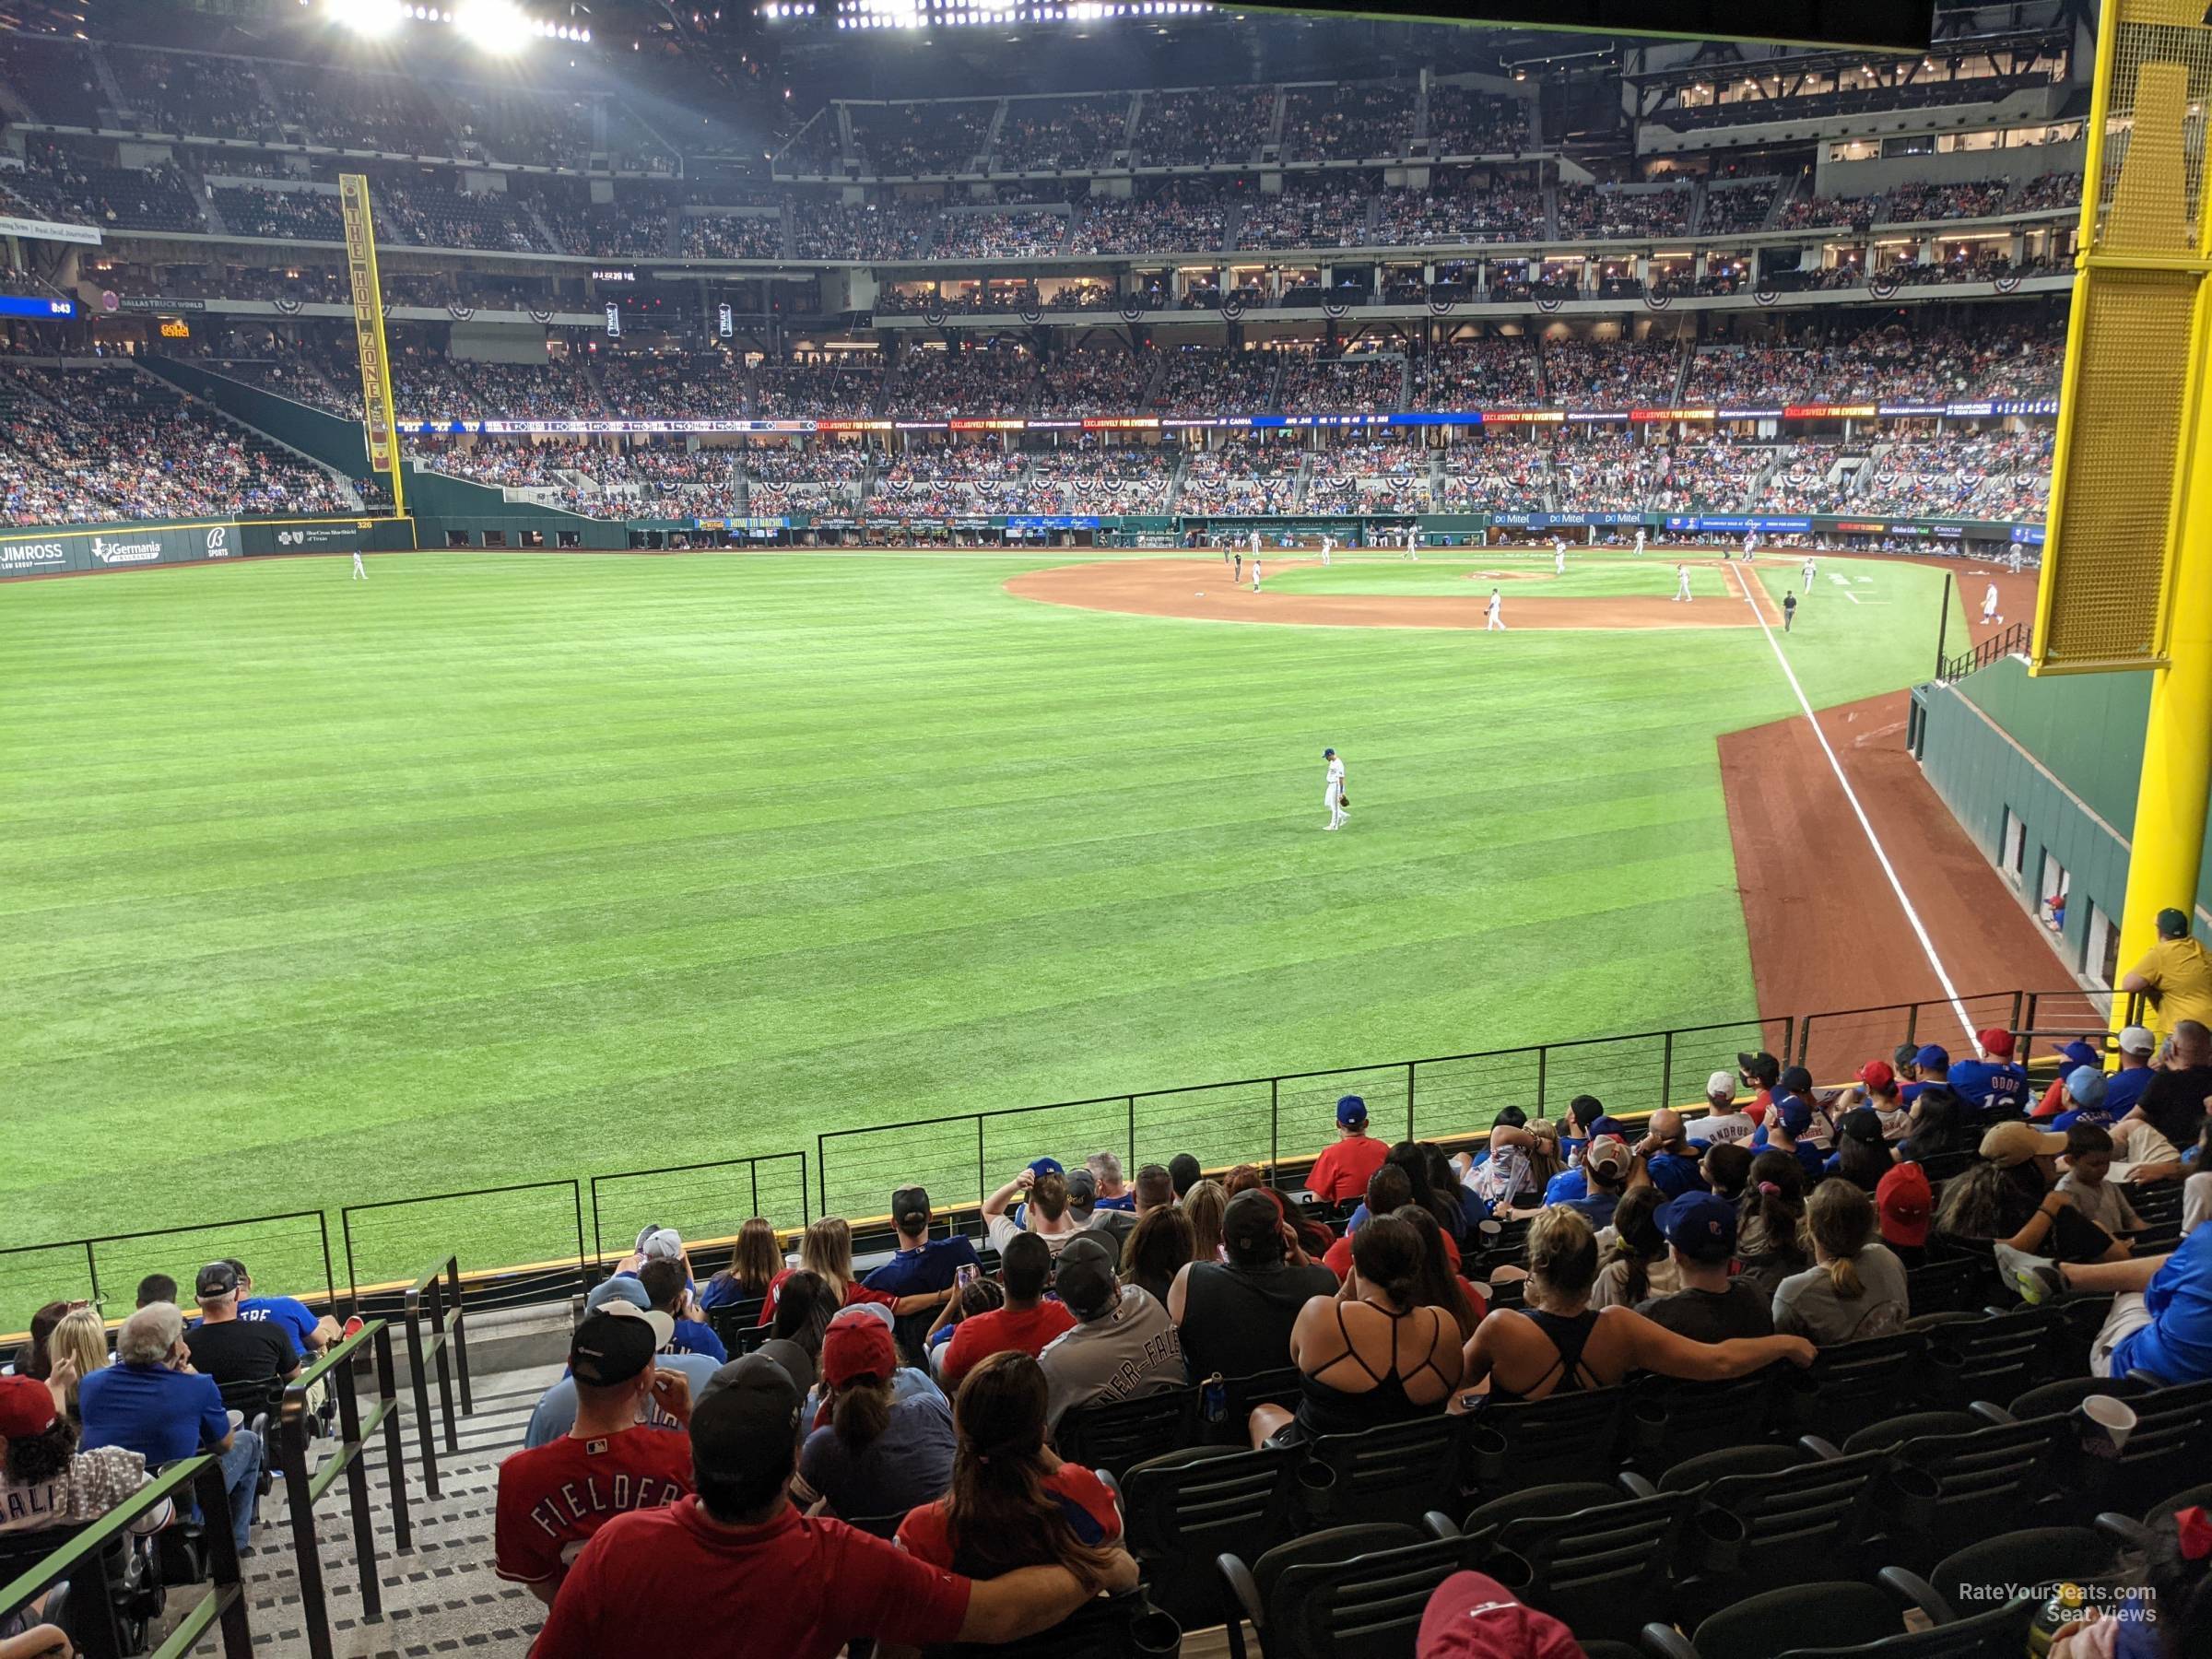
{"x":1601,"y":1562}
{"x":1347,"y":1593}
{"x":1114,"y":1437}
{"x":1185,"y":1510}
{"x":1829,"y":1622}
{"x":1394,"y":1471}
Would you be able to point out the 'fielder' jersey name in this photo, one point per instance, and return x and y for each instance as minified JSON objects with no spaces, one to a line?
{"x":553,"y":1498}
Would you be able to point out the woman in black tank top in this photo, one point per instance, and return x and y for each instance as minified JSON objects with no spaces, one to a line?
{"x":1367,"y":1355}
{"x":1560,"y":1344}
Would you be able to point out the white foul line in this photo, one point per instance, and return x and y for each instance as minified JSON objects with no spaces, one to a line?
{"x":1927,"y":944}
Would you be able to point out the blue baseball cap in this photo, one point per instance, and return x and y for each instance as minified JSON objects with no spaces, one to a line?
{"x":1351,"y":1110}
{"x":1326,"y":753}
{"x":1046,"y":1166}
{"x":2085,"y":1085}
{"x":1931,"y":1059}
{"x":1701,"y":1225}
{"x":1796,"y":1115}
{"x":622,"y":1287}
{"x":2079,"y":1053}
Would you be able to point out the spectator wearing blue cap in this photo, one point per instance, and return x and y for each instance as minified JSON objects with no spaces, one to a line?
{"x":1793,"y":1124}
{"x":1931,"y":1065}
{"x":1343,"y":1169}
{"x":2082,"y":1095}
{"x":1700,"y":1230}
{"x":1045,"y":1213}
{"x":2073,"y":1056}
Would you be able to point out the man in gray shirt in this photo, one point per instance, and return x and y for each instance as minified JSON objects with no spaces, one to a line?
{"x":1123,"y":1345}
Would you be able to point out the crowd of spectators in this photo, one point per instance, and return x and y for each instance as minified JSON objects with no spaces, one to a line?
{"x":362,"y":110}
{"x":975,"y":380}
{"x":282,"y":215}
{"x":1457,"y":208}
{"x":1351,"y":384}
{"x":1183,"y":216}
{"x":1995,"y":475}
{"x":2047,"y":190}
{"x":1712,"y":475}
{"x":1370,"y":475}
{"x":950,"y":478}
{"x":428,"y":386}
{"x":897,"y":140}
{"x":1212,"y":380}
{"x":196,"y":93}
{"x":1812,"y":476}
{"x":1805,"y":213}
{"x":1601,"y":469}
{"x":1019,"y":234}
{"x":1093,"y":379}
{"x":1242,"y":476}
{"x":1059,"y":133}
{"x":1485,"y":471}
{"x":734,"y":235}
{"x":1595,"y":210}
{"x":1202,"y":124}
{"x":1465,"y":120}
{"x":59,"y":183}
{"x":1976,"y":198}
{"x":1886,"y":364}
{"x":783,"y":476}
{"x":1499,"y":372}
{"x":866,"y":230}
{"x":638,"y":224}
{"x":1348,"y":121}
{"x":433,"y":215}
{"x":1091,"y":477}
{"x":1323,"y":212}
{"x":1738,"y":206}
{"x":95,"y":443}
{"x":671,"y":385}
{"x":1610,"y":374}
{"x":816,"y":389}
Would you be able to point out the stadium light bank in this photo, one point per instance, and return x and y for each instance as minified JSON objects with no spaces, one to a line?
{"x":493,"y":26}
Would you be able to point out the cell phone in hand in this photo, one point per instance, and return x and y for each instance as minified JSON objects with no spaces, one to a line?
{"x":964,"y":1276}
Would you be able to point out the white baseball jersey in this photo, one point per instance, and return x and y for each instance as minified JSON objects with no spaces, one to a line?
{"x":1989,"y":601}
{"x":1332,"y":785}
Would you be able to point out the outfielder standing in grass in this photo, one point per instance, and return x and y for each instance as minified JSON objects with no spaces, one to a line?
{"x":1333,"y":789}
{"x":1494,"y":622}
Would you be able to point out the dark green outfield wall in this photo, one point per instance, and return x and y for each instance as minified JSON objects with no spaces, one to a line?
{"x":2063,"y":755}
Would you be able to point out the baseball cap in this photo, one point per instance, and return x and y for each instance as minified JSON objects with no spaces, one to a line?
{"x":1721,"y":1082}
{"x":1085,"y":1280}
{"x":1861,"y":1124}
{"x":857,"y":1348}
{"x":25,"y":1408}
{"x":2138,"y":1040}
{"x":2078,"y":1052}
{"x":1701,"y":1225}
{"x":1351,"y":1110}
{"x":1995,"y":1041}
{"x":2009,"y":1143}
{"x":617,"y":1343}
{"x":2085,"y":1085}
{"x":1326,"y":753}
{"x":1795,"y":1116}
{"x":1904,"y":1055}
{"x":1760,"y":1067}
{"x":1931,"y":1059}
{"x":1046,"y":1166}
{"x":1082,"y":1188}
{"x":2173,"y":925}
{"x":1609,"y":1153}
{"x":218,"y":1279}
{"x":1878,"y":1076}
{"x":1796,"y":1080}
{"x":1472,"y":1616}
{"x":745,"y":1420}
{"x":910,"y":1207}
{"x":1249,"y":1221}
{"x":623,"y":1291}
{"x":662,"y":1244}
{"x":1902,"y":1199}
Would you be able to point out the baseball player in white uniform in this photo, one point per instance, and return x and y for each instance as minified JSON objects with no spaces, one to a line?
{"x":1496,"y":614}
{"x":1255,"y":572}
{"x":1413,"y":542}
{"x":1559,"y":557}
{"x":1640,"y":544}
{"x":1682,"y":582}
{"x":1750,"y":543}
{"x":1255,"y":549}
{"x":1810,"y":571}
{"x":1332,"y":791}
{"x":1989,"y":605}
{"x":360,"y":570}
{"x":1325,"y":545}
{"x":2012,"y":561}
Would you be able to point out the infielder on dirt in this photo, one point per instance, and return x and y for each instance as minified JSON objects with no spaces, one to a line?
{"x":1989,"y":605}
{"x":1326,"y":544}
{"x":1496,"y":614}
{"x":1255,"y":573}
{"x":1681,"y":582}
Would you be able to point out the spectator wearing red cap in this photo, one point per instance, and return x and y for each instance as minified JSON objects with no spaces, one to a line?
{"x":44,"y":1479}
{"x":1901,"y":1204}
{"x":1879,"y":1089}
{"x":879,"y":1455}
{"x":1475,"y":1617}
{"x":1993,"y":1088}
{"x":553,"y":1498}
{"x":1342,"y":1170}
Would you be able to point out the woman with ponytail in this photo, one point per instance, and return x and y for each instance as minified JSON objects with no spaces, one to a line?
{"x":879,"y":1455}
{"x":1638,"y":1264}
{"x":1770,"y":1222}
{"x":1013,"y":1503}
{"x":1372,"y":1353}
{"x":1854,"y":1288}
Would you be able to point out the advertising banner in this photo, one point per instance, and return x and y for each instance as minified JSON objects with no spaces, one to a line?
{"x":49,"y":230}
{"x":35,"y":557}
{"x":326,"y":536}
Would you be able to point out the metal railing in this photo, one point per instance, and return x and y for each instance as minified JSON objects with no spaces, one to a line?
{"x":84,"y":1560}
{"x":1832,"y":1045}
{"x":425,"y":1307}
{"x":2013,"y":641}
{"x":116,"y":1262}
{"x":304,"y":1486}
{"x":1292,"y":1115}
{"x":530,"y":1237}
{"x":709,"y":1201}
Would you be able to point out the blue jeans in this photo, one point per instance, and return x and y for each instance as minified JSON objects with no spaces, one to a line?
{"x":241,"y":1479}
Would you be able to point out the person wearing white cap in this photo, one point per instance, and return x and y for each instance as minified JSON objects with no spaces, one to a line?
{"x":556,"y":1411}
{"x":1723,"y":1119}
{"x":2123,"y":1088}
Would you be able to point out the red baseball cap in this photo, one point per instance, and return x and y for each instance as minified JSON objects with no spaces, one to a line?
{"x":859,"y":1346}
{"x":1995,"y":1041}
{"x":1475,"y":1617}
{"x":1877,"y":1075}
{"x":1902,"y":1200}
{"x":25,"y":1408}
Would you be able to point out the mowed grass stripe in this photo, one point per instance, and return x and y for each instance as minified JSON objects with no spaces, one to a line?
{"x":491,"y":869}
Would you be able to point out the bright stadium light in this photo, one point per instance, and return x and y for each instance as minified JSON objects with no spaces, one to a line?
{"x":371,"y":18}
{"x":495,"y":26}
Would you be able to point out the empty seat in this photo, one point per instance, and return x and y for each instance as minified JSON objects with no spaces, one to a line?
{"x":1394,"y":1472}
{"x":1670,"y":1419}
{"x":1541,"y":1442}
{"x":1992,"y":1358}
{"x":1347,"y":1593}
{"x":1818,"y":1621}
{"x":1959,"y":1285}
{"x":1600,"y":1562}
{"x":1115,"y":1436}
{"x":1852,"y":1385}
{"x":1184,"y":1510}
{"x":1789,"y":1506}
{"x":2042,"y":1554}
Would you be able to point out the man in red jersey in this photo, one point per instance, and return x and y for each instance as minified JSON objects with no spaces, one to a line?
{"x":735,"y":1570}
{"x":554,"y":1498}
{"x":1342,"y":1170}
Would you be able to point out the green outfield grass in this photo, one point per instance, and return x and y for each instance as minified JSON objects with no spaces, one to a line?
{"x":502,"y":869}
{"x":1525,"y":576}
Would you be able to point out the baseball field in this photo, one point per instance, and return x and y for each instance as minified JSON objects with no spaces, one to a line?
{"x":495,"y":869}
